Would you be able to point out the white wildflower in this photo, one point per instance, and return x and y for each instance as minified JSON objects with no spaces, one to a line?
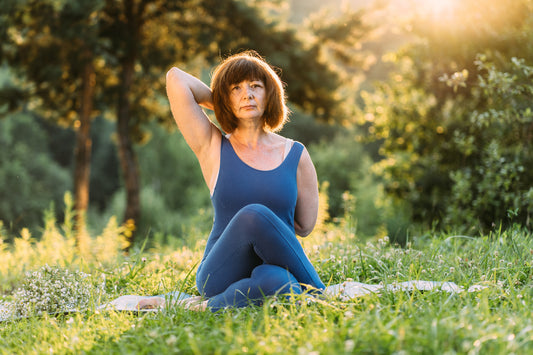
{"x":53,"y":290}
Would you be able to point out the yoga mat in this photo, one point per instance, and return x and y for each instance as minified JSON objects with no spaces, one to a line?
{"x":345,"y":291}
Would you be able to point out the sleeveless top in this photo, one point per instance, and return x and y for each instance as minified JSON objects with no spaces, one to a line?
{"x":239,"y":184}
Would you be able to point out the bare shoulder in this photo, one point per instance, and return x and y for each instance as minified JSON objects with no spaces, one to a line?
{"x":306,"y":163}
{"x":278,"y":138}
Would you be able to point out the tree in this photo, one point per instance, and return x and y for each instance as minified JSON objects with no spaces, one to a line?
{"x":53,"y":46}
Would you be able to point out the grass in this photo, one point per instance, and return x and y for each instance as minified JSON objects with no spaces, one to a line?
{"x":495,"y":320}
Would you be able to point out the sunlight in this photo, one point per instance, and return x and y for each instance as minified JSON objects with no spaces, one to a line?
{"x":440,"y":6}
{"x":436,"y":8}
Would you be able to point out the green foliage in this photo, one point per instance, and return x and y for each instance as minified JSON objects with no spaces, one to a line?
{"x":312,"y":83}
{"x":159,"y":222}
{"x":172,"y":189}
{"x":455,"y":118}
{"x":498,"y":179}
{"x":353,"y":190}
{"x":171,"y":169}
{"x":306,"y":129}
{"x":105,"y":175}
{"x":30,"y":178}
{"x":414,"y":153}
{"x":46,"y":45}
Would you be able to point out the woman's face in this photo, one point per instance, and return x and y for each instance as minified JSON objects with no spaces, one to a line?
{"x":248,"y":99}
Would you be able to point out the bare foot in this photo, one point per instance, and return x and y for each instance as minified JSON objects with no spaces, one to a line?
{"x":151,"y":303}
{"x":196,"y":303}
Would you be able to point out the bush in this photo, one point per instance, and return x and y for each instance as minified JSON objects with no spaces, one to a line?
{"x":498,"y":179}
{"x":30,"y":178}
{"x":170,"y":169}
{"x":353,"y":191}
{"x":173,"y":190}
{"x":455,"y":126}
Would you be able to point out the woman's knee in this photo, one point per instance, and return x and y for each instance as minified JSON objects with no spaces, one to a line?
{"x":256,"y":218}
{"x":253,"y":212}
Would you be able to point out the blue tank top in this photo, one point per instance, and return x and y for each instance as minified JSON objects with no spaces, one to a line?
{"x":239,"y":184}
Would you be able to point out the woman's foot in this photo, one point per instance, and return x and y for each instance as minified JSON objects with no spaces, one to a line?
{"x":195,"y":303}
{"x":151,"y":303}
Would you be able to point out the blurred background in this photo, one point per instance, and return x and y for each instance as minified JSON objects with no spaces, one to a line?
{"x":417,"y":113}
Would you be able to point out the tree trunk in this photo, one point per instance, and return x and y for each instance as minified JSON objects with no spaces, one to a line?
{"x":82,"y":155}
{"x":128,"y":159}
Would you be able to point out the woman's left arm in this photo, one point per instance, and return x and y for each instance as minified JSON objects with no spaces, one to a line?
{"x":307,"y":203}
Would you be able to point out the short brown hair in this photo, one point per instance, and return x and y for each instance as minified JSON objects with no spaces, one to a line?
{"x":248,"y":65}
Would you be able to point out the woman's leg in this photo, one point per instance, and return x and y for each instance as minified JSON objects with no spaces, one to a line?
{"x":266,"y":280}
{"x":254,"y":236}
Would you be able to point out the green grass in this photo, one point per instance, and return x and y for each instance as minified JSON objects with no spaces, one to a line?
{"x":495,"y":320}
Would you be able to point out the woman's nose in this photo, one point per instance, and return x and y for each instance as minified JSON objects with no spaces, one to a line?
{"x":248,"y":92}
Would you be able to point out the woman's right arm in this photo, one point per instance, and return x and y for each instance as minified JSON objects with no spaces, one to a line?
{"x":186,"y":94}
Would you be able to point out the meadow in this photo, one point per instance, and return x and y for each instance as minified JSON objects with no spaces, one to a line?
{"x":419,"y":111}
{"x":494,"y":320}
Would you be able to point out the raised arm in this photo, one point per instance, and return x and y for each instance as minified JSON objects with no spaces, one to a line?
{"x":186,"y":94}
{"x":307,"y":203}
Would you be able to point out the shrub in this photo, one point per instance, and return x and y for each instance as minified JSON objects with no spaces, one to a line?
{"x":498,"y":178}
{"x":353,"y":191}
{"x":30,"y":179}
{"x":455,"y":127}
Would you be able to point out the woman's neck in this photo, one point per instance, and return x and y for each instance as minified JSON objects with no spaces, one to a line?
{"x":250,"y":137}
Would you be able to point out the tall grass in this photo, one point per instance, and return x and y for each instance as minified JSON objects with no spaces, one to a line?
{"x":494,"y":320}
{"x":57,"y":246}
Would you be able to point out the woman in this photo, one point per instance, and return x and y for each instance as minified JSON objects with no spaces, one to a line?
{"x":263,"y":186}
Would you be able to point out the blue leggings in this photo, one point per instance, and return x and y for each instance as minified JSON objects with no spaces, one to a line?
{"x":257,"y":255}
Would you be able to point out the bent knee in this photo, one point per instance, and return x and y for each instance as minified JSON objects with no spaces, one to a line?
{"x":254,"y":209}
{"x":256,"y":215}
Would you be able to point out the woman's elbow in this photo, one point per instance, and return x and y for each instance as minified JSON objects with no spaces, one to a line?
{"x":172,"y":74}
{"x":303,"y":230}
{"x":304,"y":233}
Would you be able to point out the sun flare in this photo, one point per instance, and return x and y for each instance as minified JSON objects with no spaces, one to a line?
{"x":437,"y":7}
